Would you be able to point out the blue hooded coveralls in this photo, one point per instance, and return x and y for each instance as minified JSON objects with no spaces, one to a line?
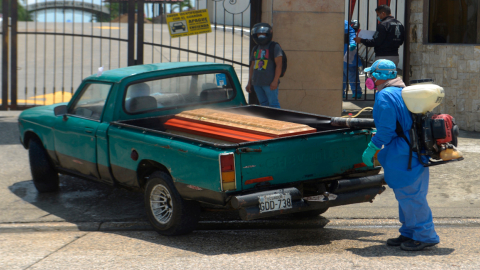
{"x":410,"y":187}
{"x":353,"y":75}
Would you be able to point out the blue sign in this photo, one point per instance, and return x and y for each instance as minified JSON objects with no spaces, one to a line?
{"x":221,"y":79}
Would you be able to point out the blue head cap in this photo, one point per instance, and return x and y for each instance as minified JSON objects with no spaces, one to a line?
{"x":383,"y":70}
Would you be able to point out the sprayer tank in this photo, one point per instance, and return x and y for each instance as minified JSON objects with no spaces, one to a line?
{"x":422,"y":98}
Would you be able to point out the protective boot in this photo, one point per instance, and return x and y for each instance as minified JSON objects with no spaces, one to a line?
{"x":398,"y":241}
{"x":415,"y":245}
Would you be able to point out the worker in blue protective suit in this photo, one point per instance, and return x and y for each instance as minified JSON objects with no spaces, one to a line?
{"x":351,"y":67}
{"x":410,"y":186}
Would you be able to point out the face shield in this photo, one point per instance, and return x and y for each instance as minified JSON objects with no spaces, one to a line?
{"x":262,"y":28}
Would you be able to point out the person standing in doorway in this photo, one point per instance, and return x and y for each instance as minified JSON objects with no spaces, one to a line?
{"x":265,"y":66}
{"x":350,"y":56}
{"x":389,"y":36}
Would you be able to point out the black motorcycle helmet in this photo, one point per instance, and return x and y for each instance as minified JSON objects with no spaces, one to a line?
{"x":355,"y":24}
{"x":262,"y":28}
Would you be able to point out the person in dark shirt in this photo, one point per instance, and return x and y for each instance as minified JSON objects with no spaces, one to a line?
{"x":265,"y":66}
{"x":389,"y":36}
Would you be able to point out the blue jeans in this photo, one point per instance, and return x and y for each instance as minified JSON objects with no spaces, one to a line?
{"x":267,"y":97}
{"x":353,"y":77}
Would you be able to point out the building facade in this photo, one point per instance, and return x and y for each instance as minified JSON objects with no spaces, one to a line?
{"x":444,"y":46}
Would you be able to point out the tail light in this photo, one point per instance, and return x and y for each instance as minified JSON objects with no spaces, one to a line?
{"x":227,"y":171}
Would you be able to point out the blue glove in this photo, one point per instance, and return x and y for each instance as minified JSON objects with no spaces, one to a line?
{"x":352,"y":47}
{"x":367,"y":156}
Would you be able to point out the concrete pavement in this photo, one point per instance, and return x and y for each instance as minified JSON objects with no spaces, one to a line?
{"x":329,"y":248}
{"x":90,"y":225}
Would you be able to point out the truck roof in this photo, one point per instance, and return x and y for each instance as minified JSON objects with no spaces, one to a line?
{"x":116,"y":75}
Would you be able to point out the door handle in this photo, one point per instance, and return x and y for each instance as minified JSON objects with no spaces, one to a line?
{"x":88,"y":130}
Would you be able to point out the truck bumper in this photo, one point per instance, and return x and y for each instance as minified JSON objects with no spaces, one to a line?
{"x":346,"y":191}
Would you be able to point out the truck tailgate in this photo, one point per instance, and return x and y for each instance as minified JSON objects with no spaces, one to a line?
{"x":303,"y":158}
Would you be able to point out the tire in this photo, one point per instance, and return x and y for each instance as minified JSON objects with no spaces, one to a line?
{"x":44,"y":176}
{"x":310,"y":214}
{"x":182,"y":215}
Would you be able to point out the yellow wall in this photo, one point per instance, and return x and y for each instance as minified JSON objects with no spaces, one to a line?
{"x":311,"y":34}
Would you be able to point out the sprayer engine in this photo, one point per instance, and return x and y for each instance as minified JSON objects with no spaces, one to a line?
{"x":439,"y":133}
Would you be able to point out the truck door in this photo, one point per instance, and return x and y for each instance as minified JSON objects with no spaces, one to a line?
{"x":75,"y":134}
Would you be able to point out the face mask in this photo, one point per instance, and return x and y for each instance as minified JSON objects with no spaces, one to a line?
{"x":369,"y":83}
{"x":262,"y":36}
{"x":378,"y":18}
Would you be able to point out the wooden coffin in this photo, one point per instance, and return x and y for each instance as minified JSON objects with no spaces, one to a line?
{"x":233,"y":127}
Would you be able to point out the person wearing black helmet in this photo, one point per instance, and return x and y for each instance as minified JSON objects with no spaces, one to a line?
{"x":265,"y":66}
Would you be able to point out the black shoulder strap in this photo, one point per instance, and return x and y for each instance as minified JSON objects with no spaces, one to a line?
{"x":401,"y":134}
{"x":271,"y":49}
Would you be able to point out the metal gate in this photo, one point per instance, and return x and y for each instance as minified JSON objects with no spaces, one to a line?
{"x":364,"y":12}
{"x":48,"y":52}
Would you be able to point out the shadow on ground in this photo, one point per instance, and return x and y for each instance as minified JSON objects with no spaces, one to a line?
{"x":86,"y":201}
{"x":83,"y":201}
{"x":386,"y":251}
{"x":325,"y":240}
{"x":9,"y":133}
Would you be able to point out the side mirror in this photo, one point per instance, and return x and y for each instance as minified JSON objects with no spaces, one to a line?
{"x":60,"y":110}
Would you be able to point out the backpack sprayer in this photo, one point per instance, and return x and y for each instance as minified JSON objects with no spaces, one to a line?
{"x":433,"y":135}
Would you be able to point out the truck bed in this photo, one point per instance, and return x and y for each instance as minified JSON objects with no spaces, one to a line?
{"x":329,"y":152}
{"x":320,"y":123}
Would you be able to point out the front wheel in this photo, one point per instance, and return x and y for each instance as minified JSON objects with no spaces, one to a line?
{"x":45,"y":178}
{"x":167,"y":211}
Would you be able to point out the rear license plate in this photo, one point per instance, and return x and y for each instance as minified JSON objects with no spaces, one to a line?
{"x":274,"y":202}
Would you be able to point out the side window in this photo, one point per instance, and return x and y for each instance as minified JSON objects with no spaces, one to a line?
{"x":91,"y":101}
{"x":178,"y":91}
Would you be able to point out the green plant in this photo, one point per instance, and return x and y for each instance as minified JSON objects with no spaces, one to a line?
{"x":22,"y":13}
{"x":181,"y":6}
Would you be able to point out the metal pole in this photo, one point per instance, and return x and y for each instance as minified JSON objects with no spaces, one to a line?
{"x":357,"y":83}
{"x":26,"y":57}
{"x":347,"y":82}
{"x":406,"y":47}
{"x":255,"y":17}
{"x":45,"y":60}
{"x":131,"y":33}
{"x":140,"y":30}
{"x":14,"y":56}
{"x":5,"y":56}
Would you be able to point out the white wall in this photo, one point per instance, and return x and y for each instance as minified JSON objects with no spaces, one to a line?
{"x":223,"y":12}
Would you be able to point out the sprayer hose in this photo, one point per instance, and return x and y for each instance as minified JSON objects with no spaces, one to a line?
{"x":366,"y":108}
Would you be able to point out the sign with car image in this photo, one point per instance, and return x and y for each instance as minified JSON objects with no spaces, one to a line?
{"x":188,"y":23}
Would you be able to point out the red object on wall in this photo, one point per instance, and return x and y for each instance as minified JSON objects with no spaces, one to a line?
{"x":352,"y":8}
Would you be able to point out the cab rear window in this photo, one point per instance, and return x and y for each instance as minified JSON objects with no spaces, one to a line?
{"x":178,"y":91}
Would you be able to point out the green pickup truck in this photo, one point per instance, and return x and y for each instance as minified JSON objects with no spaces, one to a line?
{"x":112,"y":131}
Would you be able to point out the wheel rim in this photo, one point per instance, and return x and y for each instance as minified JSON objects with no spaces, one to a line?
{"x":161,"y":204}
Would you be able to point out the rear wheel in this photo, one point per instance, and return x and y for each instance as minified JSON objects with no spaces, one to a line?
{"x":45,"y":178}
{"x":167,"y":211}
